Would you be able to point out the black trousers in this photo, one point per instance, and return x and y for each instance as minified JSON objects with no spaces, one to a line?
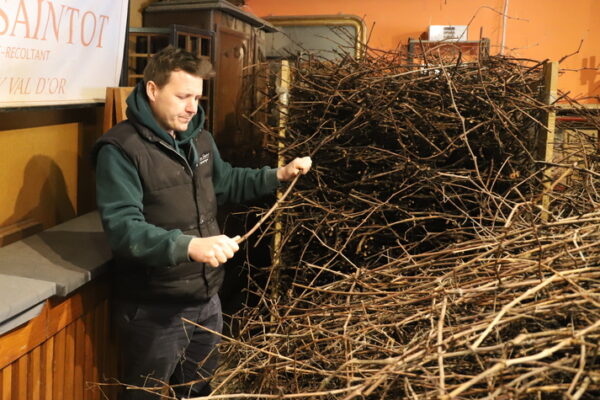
{"x":157,"y":347}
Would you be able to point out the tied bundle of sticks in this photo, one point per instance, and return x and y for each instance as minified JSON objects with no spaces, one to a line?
{"x":416,"y":260}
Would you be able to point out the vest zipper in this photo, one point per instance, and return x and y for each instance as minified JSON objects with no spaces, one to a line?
{"x":172,"y":150}
{"x":187,"y":164}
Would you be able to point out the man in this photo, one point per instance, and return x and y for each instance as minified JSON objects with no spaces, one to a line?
{"x":159,"y":179}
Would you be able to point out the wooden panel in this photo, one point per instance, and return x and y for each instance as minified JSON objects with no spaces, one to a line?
{"x":63,"y":352}
{"x":79,"y":358}
{"x":109,"y":109}
{"x":58,"y":380}
{"x":6,"y":393}
{"x":34,"y":375}
{"x":20,"y":341}
{"x":99,"y":350}
{"x":69,"y":363}
{"x":20,"y":383}
{"x":234,"y":98}
{"x":48,"y":368}
{"x":62,"y":313}
{"x":116,"y":106}
{"x":88,"y":355}
{"x":120,"y":103}
{"x":109,"y":353}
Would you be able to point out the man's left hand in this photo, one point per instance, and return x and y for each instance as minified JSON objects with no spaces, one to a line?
{"x":300,"y":165}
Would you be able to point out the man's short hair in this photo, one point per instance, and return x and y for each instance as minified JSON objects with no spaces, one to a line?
{"x":171,"y":59}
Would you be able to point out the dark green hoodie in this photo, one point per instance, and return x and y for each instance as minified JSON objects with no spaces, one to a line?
{"x":120,"y":196}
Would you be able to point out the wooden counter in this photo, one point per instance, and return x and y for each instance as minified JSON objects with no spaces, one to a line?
{"x":55,"y":340}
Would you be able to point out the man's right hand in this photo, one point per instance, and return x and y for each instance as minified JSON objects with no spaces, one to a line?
{"x":213,"y":250}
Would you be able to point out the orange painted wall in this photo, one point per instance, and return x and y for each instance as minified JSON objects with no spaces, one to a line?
{"x":46,"y":175}
{"x":40,"y":174}
{"x":536,"y":29}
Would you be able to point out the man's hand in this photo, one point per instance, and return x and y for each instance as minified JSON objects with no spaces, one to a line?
{"x":299,"y":165}
{"x":213,"y":250}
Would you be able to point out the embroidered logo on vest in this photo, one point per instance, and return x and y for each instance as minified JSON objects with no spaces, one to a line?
{"x":204,"y":158}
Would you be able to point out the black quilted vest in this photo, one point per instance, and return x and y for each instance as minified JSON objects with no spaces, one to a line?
{"x":177,"y":195}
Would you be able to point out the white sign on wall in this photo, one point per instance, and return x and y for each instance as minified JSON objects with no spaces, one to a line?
{"x":60,"y":51}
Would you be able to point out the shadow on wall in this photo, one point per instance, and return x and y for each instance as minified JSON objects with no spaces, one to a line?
{"x":42,"y":201}
{"x":590,"y":75}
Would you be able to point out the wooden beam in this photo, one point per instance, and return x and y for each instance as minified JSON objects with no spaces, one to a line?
{"x":549,"y":96}
{"x":283,"y":85}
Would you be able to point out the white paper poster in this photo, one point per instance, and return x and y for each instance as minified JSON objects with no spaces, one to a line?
{"x":60,"y":51}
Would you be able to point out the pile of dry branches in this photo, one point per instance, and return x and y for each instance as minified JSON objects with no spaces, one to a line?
{"x":415,"y":260}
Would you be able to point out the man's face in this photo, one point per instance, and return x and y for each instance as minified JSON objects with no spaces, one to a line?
{"x":176,"y":102}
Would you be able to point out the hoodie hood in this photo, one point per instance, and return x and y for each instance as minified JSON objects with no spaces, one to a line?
{"x":138,"y":109}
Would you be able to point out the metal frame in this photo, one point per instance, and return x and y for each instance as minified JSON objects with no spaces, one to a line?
{"x":327,"y":20}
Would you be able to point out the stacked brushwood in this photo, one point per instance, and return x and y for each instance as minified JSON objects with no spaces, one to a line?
{"x":418,"y":259}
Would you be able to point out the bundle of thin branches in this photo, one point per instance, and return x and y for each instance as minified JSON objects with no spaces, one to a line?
{"x":416,"y":260}
{"x":506,"y":316}
{"x":424,"y":158}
